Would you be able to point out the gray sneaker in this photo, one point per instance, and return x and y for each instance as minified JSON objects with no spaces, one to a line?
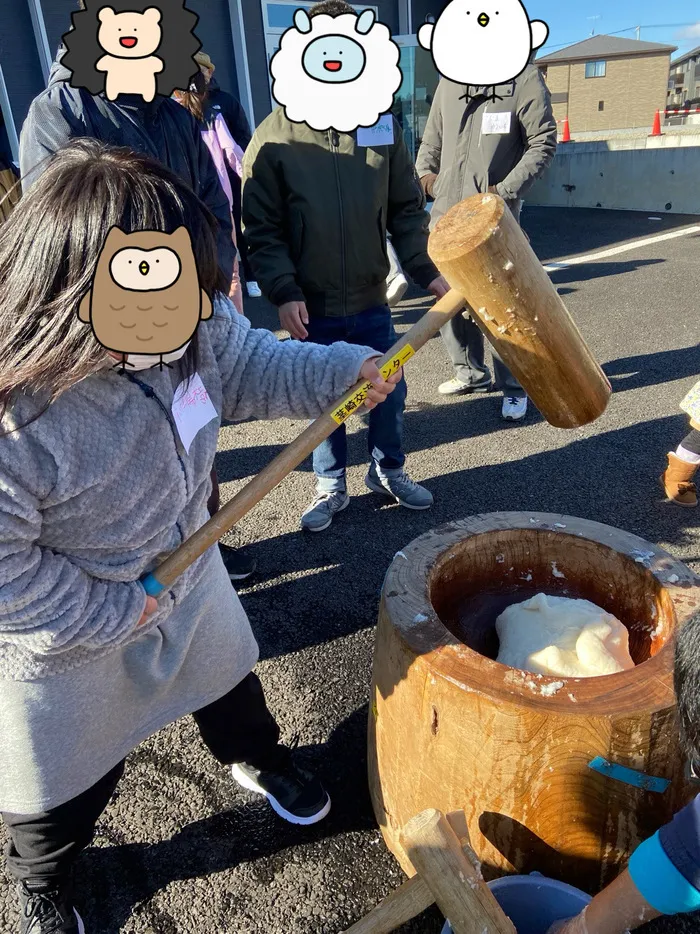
{"x":322,"y":510}
{"x":400,"y":487}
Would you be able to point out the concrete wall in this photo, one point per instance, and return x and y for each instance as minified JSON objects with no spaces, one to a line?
{"x":660,"y":177}
{"x":633,"y":89}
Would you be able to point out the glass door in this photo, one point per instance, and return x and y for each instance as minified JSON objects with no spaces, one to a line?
{"x":414,"y":97}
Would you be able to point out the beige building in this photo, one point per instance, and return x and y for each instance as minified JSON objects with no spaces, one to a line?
{"x":684,"y":82}
{"x":607,"y":83}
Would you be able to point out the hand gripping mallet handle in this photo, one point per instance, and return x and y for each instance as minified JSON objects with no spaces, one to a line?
{"x":290,"y":458}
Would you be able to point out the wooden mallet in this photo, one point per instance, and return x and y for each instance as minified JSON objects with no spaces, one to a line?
{"x":488,"y":262}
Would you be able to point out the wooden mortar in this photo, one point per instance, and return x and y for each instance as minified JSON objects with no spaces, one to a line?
{"x":451,"y":728}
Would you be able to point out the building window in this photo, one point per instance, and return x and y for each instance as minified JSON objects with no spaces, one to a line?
{"x":595,"y":69}
{"x":601,"y":105}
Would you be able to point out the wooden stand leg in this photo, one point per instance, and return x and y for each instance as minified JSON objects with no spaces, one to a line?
{"x":413,"y":896}
{"x":458,"y":888}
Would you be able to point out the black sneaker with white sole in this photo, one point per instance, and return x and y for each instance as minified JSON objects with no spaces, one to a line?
{"x":47,"y":911}
{"x":294,"y":794}
{"x":237,"y":562}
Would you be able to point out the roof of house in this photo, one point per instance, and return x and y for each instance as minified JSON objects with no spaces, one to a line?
{"x":601,"y":46}
{"x":683,"y":58}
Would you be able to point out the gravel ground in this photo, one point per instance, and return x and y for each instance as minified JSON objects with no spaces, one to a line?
{"x":180,"y":848}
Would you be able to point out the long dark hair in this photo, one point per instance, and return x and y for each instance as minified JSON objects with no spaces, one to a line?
{"x":195,"y":97}
{"x":177,"y":49}
{"x":49,"y":248}
{"x":687,"y":685}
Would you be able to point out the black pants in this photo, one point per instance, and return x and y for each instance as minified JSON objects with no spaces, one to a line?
{"x":236,"y":189}
{"x":691,"y":442}
{"x":236,"y":728}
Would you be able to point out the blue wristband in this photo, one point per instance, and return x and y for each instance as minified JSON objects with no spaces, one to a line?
{"x":662,"y":885}
{"x":152,"y":585}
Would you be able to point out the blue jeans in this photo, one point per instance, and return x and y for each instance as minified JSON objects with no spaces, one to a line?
{"x":373,"y":328}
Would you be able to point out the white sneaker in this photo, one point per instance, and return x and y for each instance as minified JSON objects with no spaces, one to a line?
{"x":253,"y":290}
{"x":396,"y":290}
{"x":514,"y":408}
{"x":455,"y":387}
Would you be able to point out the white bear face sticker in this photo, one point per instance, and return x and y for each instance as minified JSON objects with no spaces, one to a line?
{"x":145,"y":270}
{"x":334,"y":58}
{"x":336,"y":72}
{"x":483,"y":42}
{"x":130,"y":35}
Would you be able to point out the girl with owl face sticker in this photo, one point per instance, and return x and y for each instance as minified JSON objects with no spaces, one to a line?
{"x":99,"y":479}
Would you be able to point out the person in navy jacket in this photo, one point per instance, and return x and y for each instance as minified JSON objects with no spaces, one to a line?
{"x":663,"y":875}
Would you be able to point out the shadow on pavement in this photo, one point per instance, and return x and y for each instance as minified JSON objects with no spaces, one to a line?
{"x":425,"y":426}
{"x":125,"y":876}
{"x":651,"y":369}
{"x":589,"y":478}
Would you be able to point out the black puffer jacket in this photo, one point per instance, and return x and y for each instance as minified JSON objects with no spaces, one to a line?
{"x":219,"y":101}
{"x":162,"y":129}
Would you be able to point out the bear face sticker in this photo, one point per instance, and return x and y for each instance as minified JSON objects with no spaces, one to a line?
{"x":336,"y":72}
{"x":483,"y":43}
{"x":139,"y":47}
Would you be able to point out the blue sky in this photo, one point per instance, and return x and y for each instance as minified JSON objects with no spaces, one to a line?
{"x":568,"y":21}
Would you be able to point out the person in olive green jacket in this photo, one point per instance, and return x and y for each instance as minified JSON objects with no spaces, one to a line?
{"x":316,"y":210}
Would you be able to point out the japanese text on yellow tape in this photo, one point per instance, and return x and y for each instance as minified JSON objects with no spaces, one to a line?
{"x":356,"y":398}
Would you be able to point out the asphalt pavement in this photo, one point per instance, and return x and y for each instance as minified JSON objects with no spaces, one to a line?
{"x":181,"y":850}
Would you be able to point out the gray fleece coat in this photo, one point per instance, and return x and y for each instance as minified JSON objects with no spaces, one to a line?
{"x":92,"y":495}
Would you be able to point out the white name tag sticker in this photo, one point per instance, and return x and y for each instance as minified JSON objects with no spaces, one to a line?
{"x":381,"y":134}
{"x":192,"y":409}
{"x":493,"y":123}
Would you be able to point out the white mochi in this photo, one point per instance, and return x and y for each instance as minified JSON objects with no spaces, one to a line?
{"x":562,"y":637}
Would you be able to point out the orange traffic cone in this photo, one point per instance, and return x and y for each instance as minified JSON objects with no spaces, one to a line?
{"x":656,"y":129}
{"x":566,"y":135}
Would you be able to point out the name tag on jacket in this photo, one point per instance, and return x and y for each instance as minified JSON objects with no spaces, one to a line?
{"x":495,"y":123}
{"x":192,"y":409}
{"x":381,"y":134}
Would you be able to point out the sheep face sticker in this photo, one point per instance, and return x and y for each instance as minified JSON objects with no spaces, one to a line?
{"x":483,"y":42}
{"x":334,"y":58}
{"x":132,"y":47}
{"x":145,"y":297}
{"x":336,"y":72}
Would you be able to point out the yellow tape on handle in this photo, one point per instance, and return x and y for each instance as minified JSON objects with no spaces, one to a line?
{"x":355,"y":399}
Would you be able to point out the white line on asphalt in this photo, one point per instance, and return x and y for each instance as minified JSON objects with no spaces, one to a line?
{"x":635,"y":245}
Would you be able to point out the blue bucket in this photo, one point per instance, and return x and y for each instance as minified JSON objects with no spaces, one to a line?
{"x":533,"y":903}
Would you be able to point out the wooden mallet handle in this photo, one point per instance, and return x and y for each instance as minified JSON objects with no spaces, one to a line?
{"x":251,"y":494}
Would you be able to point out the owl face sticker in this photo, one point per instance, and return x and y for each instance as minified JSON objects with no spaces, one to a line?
{"x":145,"y":300}
{"x":141,"y":270}
{"x":139,"y":47}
